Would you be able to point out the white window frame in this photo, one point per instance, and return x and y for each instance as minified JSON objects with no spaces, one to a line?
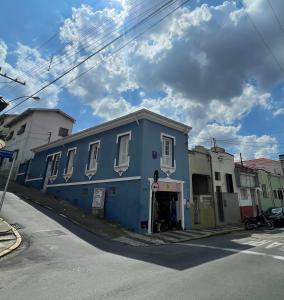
{"x":168,"y":169}
{"x":91,"y":172}
{"x":121,"y":168}
{"x":66,"y":174}
{"x":51,"y":177}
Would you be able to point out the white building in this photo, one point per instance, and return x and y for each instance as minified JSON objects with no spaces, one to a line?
{"x":33,"y":128}
{"x":4,"y":120}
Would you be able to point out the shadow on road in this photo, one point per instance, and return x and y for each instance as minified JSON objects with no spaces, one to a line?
{"x":176,"y":256}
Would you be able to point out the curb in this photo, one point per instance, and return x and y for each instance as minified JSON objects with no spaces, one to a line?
{"x":15,"y":245}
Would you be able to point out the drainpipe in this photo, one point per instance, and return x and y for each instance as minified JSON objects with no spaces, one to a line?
{"x":212,"y":187}
{"x":272,"y":193}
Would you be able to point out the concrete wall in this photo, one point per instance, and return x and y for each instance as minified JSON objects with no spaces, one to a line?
{"x":224,"y":163}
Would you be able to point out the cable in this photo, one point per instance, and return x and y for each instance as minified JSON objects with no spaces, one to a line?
{"x":101,"y":49}
{"x":263,"y":39}
{"x":275,"y":16}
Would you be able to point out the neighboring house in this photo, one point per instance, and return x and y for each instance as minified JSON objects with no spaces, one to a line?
{"x":225,"y":189}
{"x":4,"y":120}
{"x":248,"y":190}
{"x":201,"y":196}
{"x":272,"y":166}
{"x":281,"y":159}
{"x":214,"y":198}
{"x":32,"y":128}
{"x":271,"y":189}
{"x":112,"y":165}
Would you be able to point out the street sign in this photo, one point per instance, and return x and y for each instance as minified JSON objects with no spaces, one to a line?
{"x":156,"y":176}
{"x":6,"y":153}
{"x":155,"y":187}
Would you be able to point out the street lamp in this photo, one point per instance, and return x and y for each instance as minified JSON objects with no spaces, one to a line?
{"x":4,"y":104}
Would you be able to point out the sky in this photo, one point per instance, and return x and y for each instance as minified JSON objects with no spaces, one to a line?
{"x":217,"y":66}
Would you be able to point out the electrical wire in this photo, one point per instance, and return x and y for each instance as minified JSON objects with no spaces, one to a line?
{"x":141,"y":22}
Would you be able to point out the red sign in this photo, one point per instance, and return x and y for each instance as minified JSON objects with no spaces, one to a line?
{"x":155,"y":187}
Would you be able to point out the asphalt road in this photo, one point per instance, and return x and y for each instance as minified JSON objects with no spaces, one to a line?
{"x":59,"y":260}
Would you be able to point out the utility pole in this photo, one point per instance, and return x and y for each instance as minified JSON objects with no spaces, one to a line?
{"x":12,"y":79}
{"x":241,"y":159}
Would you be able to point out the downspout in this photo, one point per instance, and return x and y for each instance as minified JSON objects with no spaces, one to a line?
{"x":272,"y":193}
{"x":213,"y":192}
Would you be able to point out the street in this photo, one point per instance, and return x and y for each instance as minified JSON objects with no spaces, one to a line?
{"x":59,"y":260}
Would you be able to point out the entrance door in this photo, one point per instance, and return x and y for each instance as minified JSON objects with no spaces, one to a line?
{"x":196,"y":209}
{"x":220,"y":204}
{"x":47,"y":173}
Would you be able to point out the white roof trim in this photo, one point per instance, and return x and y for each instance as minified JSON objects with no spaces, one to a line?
{"x":133,"y":117}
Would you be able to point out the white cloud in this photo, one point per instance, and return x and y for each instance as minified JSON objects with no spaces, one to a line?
{"x":278,"y":112}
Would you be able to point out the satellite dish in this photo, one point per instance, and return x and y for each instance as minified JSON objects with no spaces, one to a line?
{"x":2,"y":144}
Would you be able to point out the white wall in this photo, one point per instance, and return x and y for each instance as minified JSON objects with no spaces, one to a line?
{"x":223,"y":163}
{"x":38,"y":126}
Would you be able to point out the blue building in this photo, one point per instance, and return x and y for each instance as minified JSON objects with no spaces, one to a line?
{"x":115,"y":162}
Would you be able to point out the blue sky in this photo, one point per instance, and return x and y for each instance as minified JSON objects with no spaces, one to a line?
{"x":217,"y":66}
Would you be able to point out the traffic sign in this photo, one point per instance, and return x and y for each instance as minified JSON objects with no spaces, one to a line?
{"x":155,"y":187}
{"x":6,"y":153}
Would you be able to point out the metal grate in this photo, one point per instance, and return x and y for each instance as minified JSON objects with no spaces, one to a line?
{"x":17,"y":226}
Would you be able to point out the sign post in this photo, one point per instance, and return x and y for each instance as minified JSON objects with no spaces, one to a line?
{"x":154,"y":188}
{"x":7,"y":154}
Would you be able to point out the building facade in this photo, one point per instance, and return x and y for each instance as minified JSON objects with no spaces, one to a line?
{"x":117,"y":160}
{"x":201,"y":192}
{"x":4,"y":120}
{"x":32,"y":128}
{"x":248,"y":189}
{"x":225,"y":189}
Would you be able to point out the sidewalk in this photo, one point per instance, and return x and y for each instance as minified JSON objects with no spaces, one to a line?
{"x":10,"y":239}
{"x":107,"y":229}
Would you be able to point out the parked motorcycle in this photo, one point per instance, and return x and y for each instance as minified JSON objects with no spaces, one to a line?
{"x":258,"y":221}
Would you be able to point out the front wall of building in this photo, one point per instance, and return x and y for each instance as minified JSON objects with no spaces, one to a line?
{"x":151,"y":144}
{"x":127,"y":202}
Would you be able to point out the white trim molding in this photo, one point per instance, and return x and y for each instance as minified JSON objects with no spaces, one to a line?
{"x":169,"y":136}
{"x":20,"y":174}
{"x":67,"y":176}
{"x":120,"y":169}
{"x":91,"y":172}
{"x":35,"y":179}
{"x":96,"y":181}
{"x":122,"y":134}
{"x":167,"y":169}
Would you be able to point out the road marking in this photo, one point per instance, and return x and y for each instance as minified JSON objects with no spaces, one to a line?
{"x":234,"y":250}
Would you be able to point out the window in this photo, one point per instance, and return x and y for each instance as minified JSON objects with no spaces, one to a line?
{"x":9,"y":136}
{"x":55,"y":165}
{"x":70,"y":160}
{"x":63,"y":132}
{"x":280,"y":194}
{"x":229,"y":181}
{"x":22,"y":129}
{"x":275,"y":194}
{"x":264,"y":190}
{"x":167,"y":154}
{"x":217,"y":176}
{"x":244,"y":194}
{"x":123,"y":150}
{"x":93,"y":156}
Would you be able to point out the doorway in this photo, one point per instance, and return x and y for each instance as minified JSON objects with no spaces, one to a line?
{"x":166,"y":211}
{"x":220,"y":203}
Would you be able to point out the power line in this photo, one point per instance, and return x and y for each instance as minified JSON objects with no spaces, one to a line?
{"x":275,"y":16}
{"x":263,"y":39}
{"x":165,"y":5}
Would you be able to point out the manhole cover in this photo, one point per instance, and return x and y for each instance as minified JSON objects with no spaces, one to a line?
{"x":17,"y":226}
{"x":48,"y":233}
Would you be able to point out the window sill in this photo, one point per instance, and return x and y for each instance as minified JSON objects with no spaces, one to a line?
{"x":67,"y":176}
{"x":90,"y":173}
{"x":120,"y":169}
{"x":52,"y":178}
{"x":168,"y":170}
